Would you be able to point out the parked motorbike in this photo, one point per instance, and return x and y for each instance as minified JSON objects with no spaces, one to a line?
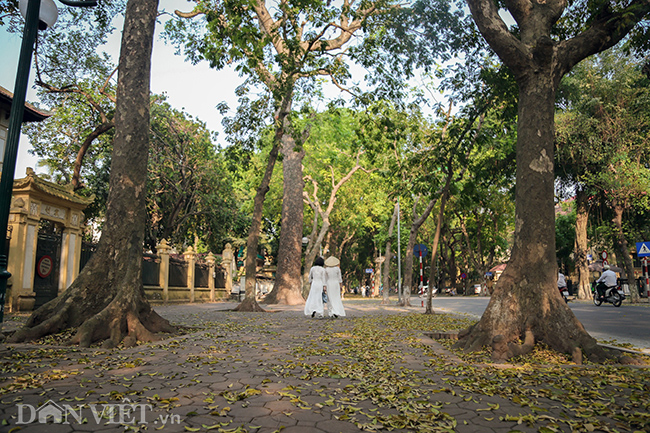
{"x":565,"y":293}
{"x":614,"y":295}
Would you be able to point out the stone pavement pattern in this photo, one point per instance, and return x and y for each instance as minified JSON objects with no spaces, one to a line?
{"x":257,"y":372}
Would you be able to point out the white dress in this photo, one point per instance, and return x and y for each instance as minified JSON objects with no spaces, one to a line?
{"x":334,"y":281}
{"x":318,"y":280}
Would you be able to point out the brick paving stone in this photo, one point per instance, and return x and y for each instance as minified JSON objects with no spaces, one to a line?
{"x":41,"y":428}
{"x":334,"y":425}
{"x":248,"y":412}
{"x":301,"y":428}
{"x":238,"y":352}
{"x":281,"y":406}
{"x":310,"y":416}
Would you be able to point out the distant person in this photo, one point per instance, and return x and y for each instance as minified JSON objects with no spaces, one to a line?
{"x":318,"y":280}
{"x":561,"y":281}
{"x":607,"y":279}
{"x":334,"y":280}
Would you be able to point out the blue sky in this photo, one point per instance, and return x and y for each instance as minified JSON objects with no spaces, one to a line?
{"x":195,"y":88}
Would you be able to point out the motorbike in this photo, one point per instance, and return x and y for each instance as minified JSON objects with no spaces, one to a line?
{"x":565,"y":293}
{"x":614,"y":295}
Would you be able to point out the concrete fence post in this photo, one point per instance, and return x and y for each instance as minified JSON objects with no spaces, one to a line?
{"x":190,"y":259}
{"x":163,"y":249}
{"x":211,"y":268}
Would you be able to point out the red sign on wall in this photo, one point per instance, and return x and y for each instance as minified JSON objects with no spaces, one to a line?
{"x":45,"y":266}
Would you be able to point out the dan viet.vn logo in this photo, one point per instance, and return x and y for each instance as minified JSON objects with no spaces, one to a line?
{"x":126,"y":412}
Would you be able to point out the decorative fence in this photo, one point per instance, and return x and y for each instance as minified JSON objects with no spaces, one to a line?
{"x":184,"y":277}
{"x":177,"y":278}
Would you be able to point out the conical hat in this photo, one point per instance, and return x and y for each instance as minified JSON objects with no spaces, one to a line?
{"x":332,"y":261}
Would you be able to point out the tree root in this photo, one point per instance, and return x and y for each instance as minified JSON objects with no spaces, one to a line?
{"x":120,"y":321}
{"x":502,"y":350}
{"x":250,"y":305}
{"x":52,"y":325}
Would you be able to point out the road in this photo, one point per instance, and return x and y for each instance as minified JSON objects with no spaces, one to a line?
{"x":627,"y":324}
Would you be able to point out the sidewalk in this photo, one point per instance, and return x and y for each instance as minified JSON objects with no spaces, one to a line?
{"x":373,"y":370}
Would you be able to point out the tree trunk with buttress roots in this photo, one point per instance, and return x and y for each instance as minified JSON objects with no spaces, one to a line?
{"x":581,"y":245}
{"x":288,"y":281}
{"x":250,"y":264}
{"x":107,"y":300}
{"x":624,"y":250}
{"x":526,"y":303}
{"x":387,"y":257}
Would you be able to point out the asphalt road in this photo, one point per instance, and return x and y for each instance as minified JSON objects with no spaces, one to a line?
{"x":626,"y":324}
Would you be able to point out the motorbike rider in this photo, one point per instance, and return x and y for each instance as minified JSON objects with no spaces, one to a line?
{"x":607,"y":279}
{"x":561,"y":281}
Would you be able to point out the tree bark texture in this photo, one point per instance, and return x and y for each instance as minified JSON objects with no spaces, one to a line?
{"x":624,"y":250}
{"x":250,"y":264}
{"x":582,"y":246}
{"x":107,"y":301}
{"x":526,"y":302}
{"x":287,"y":288}
{"x":408,"y":260}
{"x":526,"y":299}
{"x":387,"y":258}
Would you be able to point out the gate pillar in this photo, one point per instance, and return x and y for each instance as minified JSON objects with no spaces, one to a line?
{"x":35,"y":199}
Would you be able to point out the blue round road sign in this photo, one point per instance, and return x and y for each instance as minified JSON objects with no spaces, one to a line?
{"x":420,"y":248}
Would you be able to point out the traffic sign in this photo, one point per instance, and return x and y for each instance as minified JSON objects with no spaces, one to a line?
{"x":45,"y":266}
{"x":463,"y":275}
{"x":420,"y":248}
{"x":643,"y":249}
{"x":604,"y":255}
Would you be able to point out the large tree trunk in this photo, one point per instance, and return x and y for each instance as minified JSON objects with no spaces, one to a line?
{"x":107,"y":301}
{"x":408,"y":260}
{"x":526,"y":302}
{"x":288,"y":288}
{"x":387,"y":257}
{"x":624,"y":250}
{"x":581,"y":245}
{"x":250,"y":264}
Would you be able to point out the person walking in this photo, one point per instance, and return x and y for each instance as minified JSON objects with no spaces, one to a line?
{"x":318,"y":280}
{"x":334,"y":280}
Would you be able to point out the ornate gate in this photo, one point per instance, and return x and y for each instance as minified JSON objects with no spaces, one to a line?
{"x":46,"y":274}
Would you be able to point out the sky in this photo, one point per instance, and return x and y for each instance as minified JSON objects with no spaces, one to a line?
{"x":195,"y":88}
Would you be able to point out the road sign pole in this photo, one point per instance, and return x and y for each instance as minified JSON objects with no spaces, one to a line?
{"x":421,"y":279}
{"x":645,"y":274}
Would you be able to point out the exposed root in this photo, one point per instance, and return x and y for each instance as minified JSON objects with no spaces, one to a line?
{"x":54,"y":324}
{"x":120,"y":320}
{"x":250,"y":305}
{"x":502,"y":350}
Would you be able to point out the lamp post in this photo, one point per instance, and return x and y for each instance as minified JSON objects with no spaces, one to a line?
{"x":37,"y":16}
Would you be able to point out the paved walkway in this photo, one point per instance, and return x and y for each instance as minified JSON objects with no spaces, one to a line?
{"x":373,"y":370}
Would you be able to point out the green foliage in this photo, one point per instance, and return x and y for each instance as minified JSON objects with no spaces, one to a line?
{"x":565,"y":236}
{"x":602,"y":136}
{"x":190,"y":193}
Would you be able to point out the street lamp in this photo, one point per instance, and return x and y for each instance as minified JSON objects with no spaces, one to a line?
{"x":38,"y":15}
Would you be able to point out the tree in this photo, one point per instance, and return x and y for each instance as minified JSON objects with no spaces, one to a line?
{"x":190,"y":193}
{"x":77,"y":79}
{"x":107,"y":301}
{"x":284,"y":51}
{"x":602,"y":144}
{"x":329,"y":165}
{"x":526,"y":303}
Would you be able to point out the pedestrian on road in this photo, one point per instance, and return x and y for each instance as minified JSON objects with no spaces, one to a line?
{"x":318,"y":280}
{"x":334,"y":280}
